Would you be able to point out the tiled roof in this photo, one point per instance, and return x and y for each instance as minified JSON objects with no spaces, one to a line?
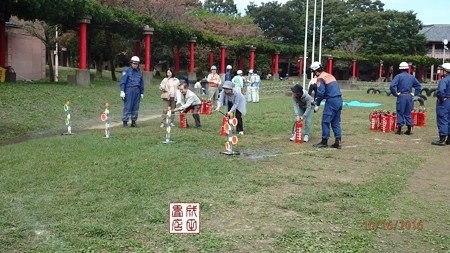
{"x":435,"y":33}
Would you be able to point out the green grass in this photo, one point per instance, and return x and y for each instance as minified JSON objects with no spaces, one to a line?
{"x":82,"y":193}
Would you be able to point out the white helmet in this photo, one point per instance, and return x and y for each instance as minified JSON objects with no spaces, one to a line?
{"x":250,"y":71}
{"x":135,"y":59}
{"x":316,"y":66}
{"x":446,"y":66}
{"x":403,"y":65}
{"x":229,"y":67}
{"x":239,"y":72}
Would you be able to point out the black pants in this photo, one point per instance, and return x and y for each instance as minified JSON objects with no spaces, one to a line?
{"x":195,"y":115}
{"x":238,"y":116}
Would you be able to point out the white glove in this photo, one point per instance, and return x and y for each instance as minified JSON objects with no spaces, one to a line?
{"x":398,"y":93}
{"x":122,"y":94}
{"x":316,"y":108}
{"x":412,"y":94}
{"x":142,"y":95}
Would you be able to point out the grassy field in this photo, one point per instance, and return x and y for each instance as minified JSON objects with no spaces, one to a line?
{"x":82,"y":193}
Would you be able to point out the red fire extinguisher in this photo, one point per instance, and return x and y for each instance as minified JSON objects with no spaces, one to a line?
{"x":202,"y":108}
{"x":374,"y":121}
{"x":421,"y":118}
{"x":183,"y":122}
{"x":298,"y":132}
{"x":385,"y":123}
{"x":393,"y":121}
{"x":224,"y":121}
{"x":414,"y":117}
{"x":208,"y":108}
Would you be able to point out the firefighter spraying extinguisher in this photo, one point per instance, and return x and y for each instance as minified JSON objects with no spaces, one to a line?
{"x":298,"y":132}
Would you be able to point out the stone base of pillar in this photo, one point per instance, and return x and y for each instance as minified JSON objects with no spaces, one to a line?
{"x":148,"y":77}
{"x":83,"y":77}
{"x":222,"y":76}
{"x":192,"y":76}
{"x":276,"y":77}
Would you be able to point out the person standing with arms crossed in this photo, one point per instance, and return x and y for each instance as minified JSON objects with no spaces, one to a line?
{"x":328,"y":88}
{"x":131,"y":91}
{"x":401,"y":87}
{"x":214,"y":81}
{"x":443,"y":107}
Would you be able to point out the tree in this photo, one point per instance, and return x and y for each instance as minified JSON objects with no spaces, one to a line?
{"x":221,"y":7}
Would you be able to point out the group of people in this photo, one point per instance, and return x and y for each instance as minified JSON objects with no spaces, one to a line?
{"x":324,"y":86}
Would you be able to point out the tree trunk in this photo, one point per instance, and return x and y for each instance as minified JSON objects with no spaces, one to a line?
{"x":113,"y":70}
{"x":50,"y":63}
{"x":99,"y":68}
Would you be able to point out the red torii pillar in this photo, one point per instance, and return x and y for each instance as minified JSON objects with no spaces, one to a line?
{"x":137,"y":48}
{"x":252,"y":57}
{"x":211,"y":58}
{"x":421,"y":73}
{"x":222,"y":60}
{"x":191,"y":74}
{"x":300,"y":67}
{"x":177,"y":59}
{"x":409,"y":67}
{"x":330,"y":65}
{"x":276,"y":75}
{"x":380,"y":71}
{"x":3,"y":18}
{"x":147,"y":75}
{"x":82,"y":74}
{"x":354,"y":69}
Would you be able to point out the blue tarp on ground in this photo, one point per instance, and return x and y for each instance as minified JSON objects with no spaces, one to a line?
{"x":359,"y":104}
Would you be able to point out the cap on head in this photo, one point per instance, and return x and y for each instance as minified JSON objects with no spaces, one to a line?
{"x":250,"y":71}
{"x":403,"y":65}
{"x":239,"y":72}
{"x":446,"y":66}
{"x":298,"y":89}
{"x":213,"y":67}
{"x":227,"y":85}
{"x":135,"y":59}
{"x":316,"y":66}
{"x":229,"y":67}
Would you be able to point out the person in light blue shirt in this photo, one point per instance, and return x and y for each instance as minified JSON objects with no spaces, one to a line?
{"x":235,"y":102}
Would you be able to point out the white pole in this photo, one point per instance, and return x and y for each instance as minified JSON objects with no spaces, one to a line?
{"x":305,"y":45}
{"x":320,"y":37}
{"x":314,"y":36}
{"x":56,"y":56}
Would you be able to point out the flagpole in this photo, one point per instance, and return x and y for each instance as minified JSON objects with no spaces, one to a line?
{"x":305,"y":47}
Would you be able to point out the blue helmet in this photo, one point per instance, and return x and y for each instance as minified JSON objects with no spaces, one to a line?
{"x":213,"y":67}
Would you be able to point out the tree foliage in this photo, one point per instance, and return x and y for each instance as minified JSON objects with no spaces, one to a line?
{"x":221,"y":7}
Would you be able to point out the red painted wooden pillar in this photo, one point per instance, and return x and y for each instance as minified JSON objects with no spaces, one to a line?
{"x":275,"y":65}
{"x":222,"y":58}
{"x":240,"y":61}
{"x":300,"y":68}
{"x":137,"y":48}
{"x":252,"y":57}
{"x":177,"y":59}
{"x":191,"y":51}
{"x":353,"y":68}
{"x":147,"y":32}
{"x":83,"y":42}
{"x":421,"y":73}
{"x":409,"y":68}
{"x":330,"y":65}
{"x":380,"y":71}
{"x":439,"y":76}
{"x":3,"y":19}
{"x":211,"y":58}
{"x":357,"y":70}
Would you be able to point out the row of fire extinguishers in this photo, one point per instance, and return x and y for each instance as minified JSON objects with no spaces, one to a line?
{"x":206,"y":108}
{"x":385,"y":121}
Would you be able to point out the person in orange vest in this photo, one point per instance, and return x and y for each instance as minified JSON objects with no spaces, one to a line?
{"x":214,"y":82}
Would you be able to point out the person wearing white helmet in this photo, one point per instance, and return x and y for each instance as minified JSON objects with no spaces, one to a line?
{"x":214,"y":81}
{"x":131,"y":91}
{"x":249,"y":83}
{"x":238,"y":80}
{"x":443,"y":107}
{"x":328,"y":88}
{"x":228,"y":73}
{"x":401,"y":87}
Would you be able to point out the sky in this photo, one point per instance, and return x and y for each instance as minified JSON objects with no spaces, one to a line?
{"x":428,"y":11}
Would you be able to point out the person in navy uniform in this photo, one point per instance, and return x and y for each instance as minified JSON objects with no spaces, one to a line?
{"x":228,"y":76}
{"x":401,"y":87}
{"x":328,"y":88}
{"x":443,"y":107}
{"x":131,"y":91}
